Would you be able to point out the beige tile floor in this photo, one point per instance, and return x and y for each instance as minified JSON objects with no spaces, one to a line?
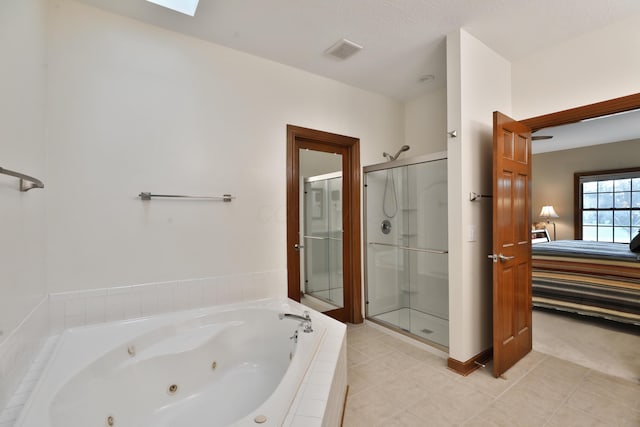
{"x":604,"y":346}
{"x":393,"y":383}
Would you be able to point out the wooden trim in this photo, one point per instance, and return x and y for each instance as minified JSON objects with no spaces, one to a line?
{"x":355,"y":242}
{"x":349,"y":148}
{"x":293,"y":211}
{"x":577,"y":200}
{"x":344,"y":405}
{"x":465,"y":368}
{"x":604,"y":108}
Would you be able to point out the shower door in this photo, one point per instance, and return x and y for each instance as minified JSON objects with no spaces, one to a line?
{"x":407,"y":284}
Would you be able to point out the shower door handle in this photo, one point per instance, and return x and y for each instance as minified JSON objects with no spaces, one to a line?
{"x":297,"y":247}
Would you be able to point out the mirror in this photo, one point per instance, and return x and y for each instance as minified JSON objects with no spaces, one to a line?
{"x":321,"y":229}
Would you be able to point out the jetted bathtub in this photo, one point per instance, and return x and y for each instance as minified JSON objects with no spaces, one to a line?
{"x":231,"y":365}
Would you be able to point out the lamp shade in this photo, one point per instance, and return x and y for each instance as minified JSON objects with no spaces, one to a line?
{"x":548,"y":212}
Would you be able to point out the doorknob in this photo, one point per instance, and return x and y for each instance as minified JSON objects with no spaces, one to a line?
{"x":500,"y":257}
{"x":297,"y":247}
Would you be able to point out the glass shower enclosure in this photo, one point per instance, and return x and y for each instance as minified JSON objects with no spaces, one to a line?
{"x":406,"y":282}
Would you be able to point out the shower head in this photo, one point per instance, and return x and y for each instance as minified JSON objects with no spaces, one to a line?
{"x":402,"y":149}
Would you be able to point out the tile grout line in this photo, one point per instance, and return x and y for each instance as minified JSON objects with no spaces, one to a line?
{"x":597,"y":417}
{"x":523,"y":376}
{"x":382,"y":382}
{"x":529,"y":371}
{"x":566,"y":399}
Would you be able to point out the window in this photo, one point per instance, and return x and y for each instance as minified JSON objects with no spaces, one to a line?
{"x":607,"y":205}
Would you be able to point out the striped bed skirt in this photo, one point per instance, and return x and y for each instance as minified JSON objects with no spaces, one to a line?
{"x":602,"y":288}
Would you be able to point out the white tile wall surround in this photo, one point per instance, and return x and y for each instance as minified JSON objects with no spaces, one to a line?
{"x":69,"y":309}
{"x":9,"y":415}
{"x":19,"y":349}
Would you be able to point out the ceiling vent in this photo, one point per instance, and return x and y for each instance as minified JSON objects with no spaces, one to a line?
{"x":343,"y":49}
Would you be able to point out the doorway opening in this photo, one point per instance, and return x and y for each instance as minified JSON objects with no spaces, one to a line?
{"x":524,"y":311}
{"x":324,"y":251}
{"x":553,"y":315}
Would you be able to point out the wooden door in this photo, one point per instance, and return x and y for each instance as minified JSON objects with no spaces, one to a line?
{"x":511,"y":242}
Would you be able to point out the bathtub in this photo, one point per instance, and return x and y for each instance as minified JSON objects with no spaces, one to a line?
{"x":237,"y":365}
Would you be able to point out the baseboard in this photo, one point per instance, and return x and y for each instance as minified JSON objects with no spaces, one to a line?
{"x":477,"y":361}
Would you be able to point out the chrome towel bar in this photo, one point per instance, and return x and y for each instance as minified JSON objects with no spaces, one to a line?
{"x":406,"y":248}
{"x":26,"y":182}
{"x":224,"y":197}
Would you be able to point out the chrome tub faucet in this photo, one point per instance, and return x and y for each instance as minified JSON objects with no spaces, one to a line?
{"x":305,"y":319}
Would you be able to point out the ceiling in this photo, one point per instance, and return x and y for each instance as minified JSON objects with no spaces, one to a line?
{"x":403,"y":40}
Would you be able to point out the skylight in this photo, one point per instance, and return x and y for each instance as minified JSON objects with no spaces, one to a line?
{"x":188,"y":7}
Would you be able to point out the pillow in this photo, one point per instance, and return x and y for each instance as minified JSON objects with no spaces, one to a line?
{"x":634,"y":244}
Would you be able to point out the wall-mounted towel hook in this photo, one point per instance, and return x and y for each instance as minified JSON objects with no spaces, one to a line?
{"x":475,"y":196}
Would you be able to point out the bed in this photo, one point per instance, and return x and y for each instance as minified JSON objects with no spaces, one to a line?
{"x":590,"y":278}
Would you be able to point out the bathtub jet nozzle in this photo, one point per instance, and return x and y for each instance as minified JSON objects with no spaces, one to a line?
{"x":305,"y":319}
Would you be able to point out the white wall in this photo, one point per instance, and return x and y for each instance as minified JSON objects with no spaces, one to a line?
{"x":136,"y":108}
{"x":553,"y":177}
{"x":478,"y":82}
{"x":425,"y":120}
{"x":22,"y":214}
{"x":22,"y":134}
{"x":594,"y":67}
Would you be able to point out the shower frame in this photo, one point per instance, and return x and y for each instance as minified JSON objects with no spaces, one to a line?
{"x":408,"y":161}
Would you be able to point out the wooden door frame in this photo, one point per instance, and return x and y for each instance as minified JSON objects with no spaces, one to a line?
{"x":590,"y":111}
{"x":349,"y":147}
